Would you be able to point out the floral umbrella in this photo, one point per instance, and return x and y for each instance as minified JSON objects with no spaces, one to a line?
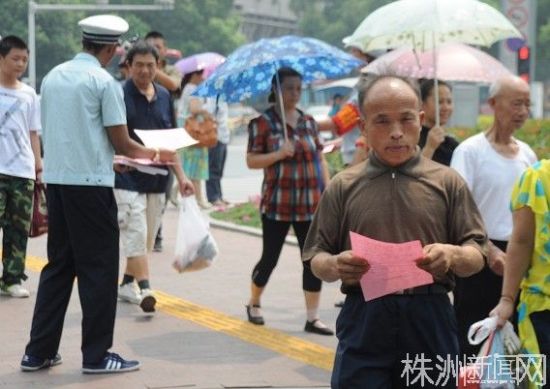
{"x":426,"y":24}
{"x":248,"y":71}
{"x":455,"y":62}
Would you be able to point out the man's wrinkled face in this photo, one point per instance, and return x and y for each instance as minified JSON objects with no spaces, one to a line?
{"x":511,"y":105}
{"x":143,"y":69}
{"x":392,"y":124}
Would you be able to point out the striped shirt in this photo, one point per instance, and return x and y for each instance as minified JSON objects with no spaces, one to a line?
{"x":292,"y":187}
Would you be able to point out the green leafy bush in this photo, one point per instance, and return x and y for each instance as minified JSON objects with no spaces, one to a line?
{"x":535,"y":132}
{"x":245,"y":214}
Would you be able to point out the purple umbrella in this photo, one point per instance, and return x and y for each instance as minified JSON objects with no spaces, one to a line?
{"x":203,"y":61}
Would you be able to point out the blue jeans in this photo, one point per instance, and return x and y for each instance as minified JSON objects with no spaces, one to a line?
{"x":216,"y":163}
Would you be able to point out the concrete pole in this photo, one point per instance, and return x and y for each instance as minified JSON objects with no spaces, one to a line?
{"x":32,"y":43}
{"x":103,"y":6}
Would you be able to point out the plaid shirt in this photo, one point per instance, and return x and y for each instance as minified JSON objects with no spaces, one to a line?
{"x":292,"y":187}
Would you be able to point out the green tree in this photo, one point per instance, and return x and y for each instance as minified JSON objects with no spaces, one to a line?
{"x":198,"y":26}
{"x":192,"y":27}
{"x":333,"y":20}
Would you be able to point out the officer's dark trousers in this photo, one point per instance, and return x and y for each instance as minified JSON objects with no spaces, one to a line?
{"x":83,"y":242}
{"x":376,"y":337}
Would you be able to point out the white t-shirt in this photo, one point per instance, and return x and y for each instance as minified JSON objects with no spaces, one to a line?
{"x":19,"y":114}
{"x":491,"y":178}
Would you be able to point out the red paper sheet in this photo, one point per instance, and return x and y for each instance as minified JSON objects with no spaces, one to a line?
{"x":392,"y":266}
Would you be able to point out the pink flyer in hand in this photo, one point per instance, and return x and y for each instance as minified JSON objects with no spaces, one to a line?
{"x":392,"y":266}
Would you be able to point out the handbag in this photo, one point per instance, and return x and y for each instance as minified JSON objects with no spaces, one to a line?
{"x":203,"y":129}
{"x":39,"y":221}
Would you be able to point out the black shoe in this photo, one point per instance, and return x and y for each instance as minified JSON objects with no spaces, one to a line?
{"x":258,"y":320}
{"x":314,"y":329}
{"x":30,"y":363}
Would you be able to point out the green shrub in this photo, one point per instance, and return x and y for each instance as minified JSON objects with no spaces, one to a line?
{"x":535,"y":132}
{"x":245,"y":214}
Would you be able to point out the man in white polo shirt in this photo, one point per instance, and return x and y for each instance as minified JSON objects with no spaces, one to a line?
{"x":490,"y":163}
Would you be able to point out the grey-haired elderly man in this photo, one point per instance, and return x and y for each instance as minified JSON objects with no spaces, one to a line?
{"x":490,"y":162}
{"x":84,"y":122}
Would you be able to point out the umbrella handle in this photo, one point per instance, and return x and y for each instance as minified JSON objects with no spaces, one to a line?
{"x":281,"y":106}
{"x":436,"y":83}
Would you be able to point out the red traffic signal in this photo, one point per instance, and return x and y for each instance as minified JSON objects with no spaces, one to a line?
{"x":524,"y":62}
{"x":523,"y":53}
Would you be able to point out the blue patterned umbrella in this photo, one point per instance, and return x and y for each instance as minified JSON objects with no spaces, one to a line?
{"x":247,"y":72}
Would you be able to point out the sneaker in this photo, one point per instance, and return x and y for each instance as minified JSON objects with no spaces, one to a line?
{"x":30,"y":363}
{"x":112,"y":363}
{"x":129,"y":293}
{"x":15,"y":290}
{"x":148,"y":301}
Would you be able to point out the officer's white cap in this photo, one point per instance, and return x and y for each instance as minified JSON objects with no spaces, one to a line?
{"x":104,"y":29}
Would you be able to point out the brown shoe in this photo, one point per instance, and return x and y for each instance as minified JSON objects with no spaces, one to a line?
{"x":315,"y":328}
{"x":258,"y":320}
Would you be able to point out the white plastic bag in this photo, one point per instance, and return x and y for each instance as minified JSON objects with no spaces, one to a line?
{"x":195,"y":246}
{"x":481,"y":330}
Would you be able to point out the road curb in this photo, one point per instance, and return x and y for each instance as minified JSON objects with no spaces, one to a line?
{"x":290,"y":239}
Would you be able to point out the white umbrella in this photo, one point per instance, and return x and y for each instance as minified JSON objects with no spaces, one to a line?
{"x":455,"y":62}
{"x":425,"y":24}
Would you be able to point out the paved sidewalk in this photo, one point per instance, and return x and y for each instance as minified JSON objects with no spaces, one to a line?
{"x":199,"y":338}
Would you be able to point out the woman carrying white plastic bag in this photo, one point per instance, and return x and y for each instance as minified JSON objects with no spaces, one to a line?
{"x":195,"y":246}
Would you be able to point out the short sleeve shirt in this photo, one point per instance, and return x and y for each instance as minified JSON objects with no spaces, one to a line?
{"x":491,"y":177}
{"x":145,"y":115}
{"x":78,"y":100}
{"x":291,"y":187}
{"x":19,"y":114}
{"x":533,"y":191}
{"x":419,"y":200}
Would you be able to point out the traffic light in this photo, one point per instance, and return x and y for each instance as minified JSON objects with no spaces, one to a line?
{"x":524,"y":62}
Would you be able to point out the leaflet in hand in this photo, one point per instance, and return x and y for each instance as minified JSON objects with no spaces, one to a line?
{"x":393,"y":266}
{"x":141,"y":164}
{"x":171,"y":139}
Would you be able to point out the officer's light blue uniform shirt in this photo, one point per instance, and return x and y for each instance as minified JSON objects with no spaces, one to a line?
{"x":78,"y":100}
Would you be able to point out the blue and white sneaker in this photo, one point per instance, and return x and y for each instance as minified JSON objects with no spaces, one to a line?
{"x":112,"y":363}
{"x":30,"y":363}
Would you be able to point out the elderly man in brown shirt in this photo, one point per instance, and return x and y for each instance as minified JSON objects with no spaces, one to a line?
{"x":396,"y":196}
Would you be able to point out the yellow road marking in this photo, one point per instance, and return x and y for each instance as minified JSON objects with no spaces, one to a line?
{"x":290,"y":346}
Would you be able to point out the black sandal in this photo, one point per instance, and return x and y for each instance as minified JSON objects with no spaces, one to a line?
{"x":314,"y":329}
{"x":258,"y":320}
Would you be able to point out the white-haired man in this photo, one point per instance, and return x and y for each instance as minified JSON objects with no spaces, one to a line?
{"x":491,"y":162}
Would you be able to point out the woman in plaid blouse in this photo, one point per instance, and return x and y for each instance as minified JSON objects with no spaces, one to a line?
{"x":295,"y":174}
